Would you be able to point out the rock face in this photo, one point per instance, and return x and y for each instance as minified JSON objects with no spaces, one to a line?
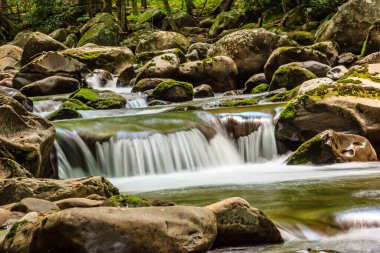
{"x":14,"y":190}
{"x":10,"y":57}
{"x":25,"y":138}
{"x":333,"y":147}
{"x":249,"y":49}
{"x":173,"y":91}
{"x":49,"y":64}
{"x":240,"y":224}
{"x":163,"y":40}
{"x":112,"y":59}
{"x":51,"y":86}
{"x":219,"y":72}
{"x":349,"y":26}
{"x":38,"y":43}
{"x":174,"y":229}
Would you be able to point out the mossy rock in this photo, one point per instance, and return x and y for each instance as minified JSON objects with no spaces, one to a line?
{"x":154,"y":16}
{"x":225,"y":21}
{"x":254,"y":81}
{"x":238,"y":102}
{"x":290,"y":76}
{"x":260,"y":88}
{"x":64,"y":113}
{"x":303,"y":38}
{"x":104,"y":34}
{"x":284,"y":95}
{"x":100,"y":100}
{"x":11,"y":169}
{"x":360,"y":73}
{"x":126,"y":201}
{"x":309,"y":152}
{"x":173,"y":91}
{"x":99,"y":18}
{"x":289,"y":112}
{"x":185,"y":108}
{"x":75,"y":104}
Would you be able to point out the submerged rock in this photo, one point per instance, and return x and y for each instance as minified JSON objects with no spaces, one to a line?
{"x":108,"y":229}
{"x":333,"y":147}
{"x":239,"y":224}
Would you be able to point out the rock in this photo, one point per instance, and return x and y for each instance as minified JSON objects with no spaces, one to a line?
{"x":337,"y":72}
{"x":175,"y":229}
{"x":71,"y":40}
{"x":180,"y":20}
{"x":260,"y":88}
{"x":60,"y":34}
{"x":64,"y":113}
{"x":145,"y":57}
{"x":112,"y":59}
{"x":317,"y":68}
{"x":162,"y":66}
{"x":284,"y":55}
{"x":254,"y":81}
{"x":126,"y":201}
{"x":249,"y":49}
{"x":152,"y":16}
{"x":239,"y":224}
{"x":289,"y":76}
{"x":41,"y":206}
{"x":134,"y":38}
{"x":46,"y":65}
{"x":225,"y":21}
{"x":17,"y":95}
{"x":6,"y":216}
{"x":206,"y":23}
{"x":219,"y":72}
{"x":369,"y":59}
{"x":38,"y":43}
{"x":301,"y":37}
{"x":21,"y":38}
{"x":98,"y":78}
{"x":327,"y":48}
{"x":283,"y":95}
{"x":367,"y":75}
{"x":201,"y":49}
{"x":194,"y":30}
{"x":193,"y":56}
{"x":372,"y":42}
{"x":147,"y":84}
{"x":203,"y":91}
{"x":163,"y":40}
{"x":173,"y":91}
{"x":78,"y":202}
{"x":51,"y":85}
{"x":333,"y":147}
{"x":25,"y":138}
{"x":11,"y":169}
{"x":346,"y":59}
{"x":100,"y":100}
{"x":10,"y":57}
{"x":313,"y":84}
{"x":6,"y":79}
{"x":349,"y":26}
{"x":14,"y":190}
{"x":126,"y":76}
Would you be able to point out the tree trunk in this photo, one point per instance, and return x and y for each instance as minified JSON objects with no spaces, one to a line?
{"x":167,"y":6}
{"x":223,"y":6}
{"x":190,"y":7}
{"x":135,"y":7}
{"x":121,"y":14}
{"x":144,"y":4}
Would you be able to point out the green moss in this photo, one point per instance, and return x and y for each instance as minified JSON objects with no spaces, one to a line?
{"x":64,"y":113}
{"x":284,"y":96}
{"x":290,"y":76}
{"x":209,"y":59}
{"x":159,"y":91}
{"x":302,"y":37}
{"x":168,"y":59}
{"x":289,"y":112}
{"x":12,"y":232}
{"x":128,"y":201}
{"x":90,"y":55}
{"x":364,"y":48}
{"x":260,"y":88}
{"x":238,"y":102}
{"x":44,"y":221}
{"x":354,"y":81}
{"x":75,"y":104}
{"x":99,"y":99}
{"x":306,"y":152}
{"x":361,"y":72}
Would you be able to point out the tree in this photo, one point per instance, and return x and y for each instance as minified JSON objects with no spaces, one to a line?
{"x":167,"y":6}
{"x":144,"y":4}
{"x":121,"y":13}
{"x":135,"y":7}
{"x":190,"y":7}
{"x":223,"y":6}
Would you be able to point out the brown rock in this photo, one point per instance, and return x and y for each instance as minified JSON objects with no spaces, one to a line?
{"x":78,"y":202}
{"x":28,"y":205}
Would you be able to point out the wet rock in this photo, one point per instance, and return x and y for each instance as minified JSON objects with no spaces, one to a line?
{"x":346,"y":59}
{"x":17,"y":95}
{"x":14,"y":190}
{"x":249,"y":49}
{"x":46,"y":65}
{"x":173,"y":91}
{"x":239,"y":224}
{"x":201,"y":49}
{"x":254,"y":81}
{"x":10,"y":57}
{"x":203,"y":91}
{"x":100,"y":100}
{"x":52,"y":85}
{"x":219,"y":72}
{"x":284,"y":55}
{"x":333,"y":147}
{"x":289,"y":76}
{"x":98,"y":78}
{"x":162,"y":66}
{"x":147,"y":84}
{"x":349,"y":26}
{"x":126,"y":76}
{"x":175,"y":229}
{"x":112,"y":59}
{"x":28,"y":205}
{"x":78,"y":202}
{"x":336,"y":72}
{"x":225,"y":21}
{"x":163,"y":40}
{"x":11,"y":169}
{"x":25,"y":138}
{"x":38,"y":43}
{"x":64,"y":113}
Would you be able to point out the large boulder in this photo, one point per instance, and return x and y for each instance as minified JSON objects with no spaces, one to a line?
{"x":13,"y":191}
{"x":333,"y":147}
{"x":147,"y":84}
{"x":110,"y":229}
{"x":201,"y":48}
{"x":239,"y":224}
{"x":219,"y":72}
{"x":134,"y":38}
{"x":38,"y":43}
{"x":372,"y":42}
{"x":144,"y":57}
{"x":10,"y":57}
{"x":225,"y":21}
{"x":289,"y":76}
{"x":101,"y":30}
{"x":162,"y":66}
{"x":112,"y":59}
{"x":284,"y":55}
{"x":98,"y":99}
{"x":51,"y":85}
{"x":173,"y":91}
{"x":49,"y":64}
{"x":25,"y":138}
{"x":163,"y":40}
{"x":249,"y":49}
{"x":21,"y":38}
{"x":349,"y":26}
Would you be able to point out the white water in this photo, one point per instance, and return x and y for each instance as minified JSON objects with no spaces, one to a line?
{"x":45,"y":107}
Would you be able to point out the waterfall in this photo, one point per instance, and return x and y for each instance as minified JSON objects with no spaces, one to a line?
{"x":125,"y":156}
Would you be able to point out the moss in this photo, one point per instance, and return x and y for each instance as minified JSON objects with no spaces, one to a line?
{"x":90,"y":55}
{"x":354,"y":81}
{"x":75,"y":104}
{"x":306,"y":152}
{"x":64,"y":113}
{"x":289,"y":112}
{"x":290,"y":76}
{"x":185,"y":108}
{"x":260,"y":88}
{"x":209,"y":59}
{"x":249,"y":26}
{"x":44,"y":221}
{"x":128,"y":201}
{"x":365,"y":45}
{"x":302,"y":37}
{"x":25,"y":154}
{"x":160,"y":90}
{"x":361,"y":72}
{"x":12,"y":232}
{"x":105,"y":34}
{"x":99,"y":99}
{"x":284,"y":96}
{"x":238,"y":102}
{"x":168,"y":59}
